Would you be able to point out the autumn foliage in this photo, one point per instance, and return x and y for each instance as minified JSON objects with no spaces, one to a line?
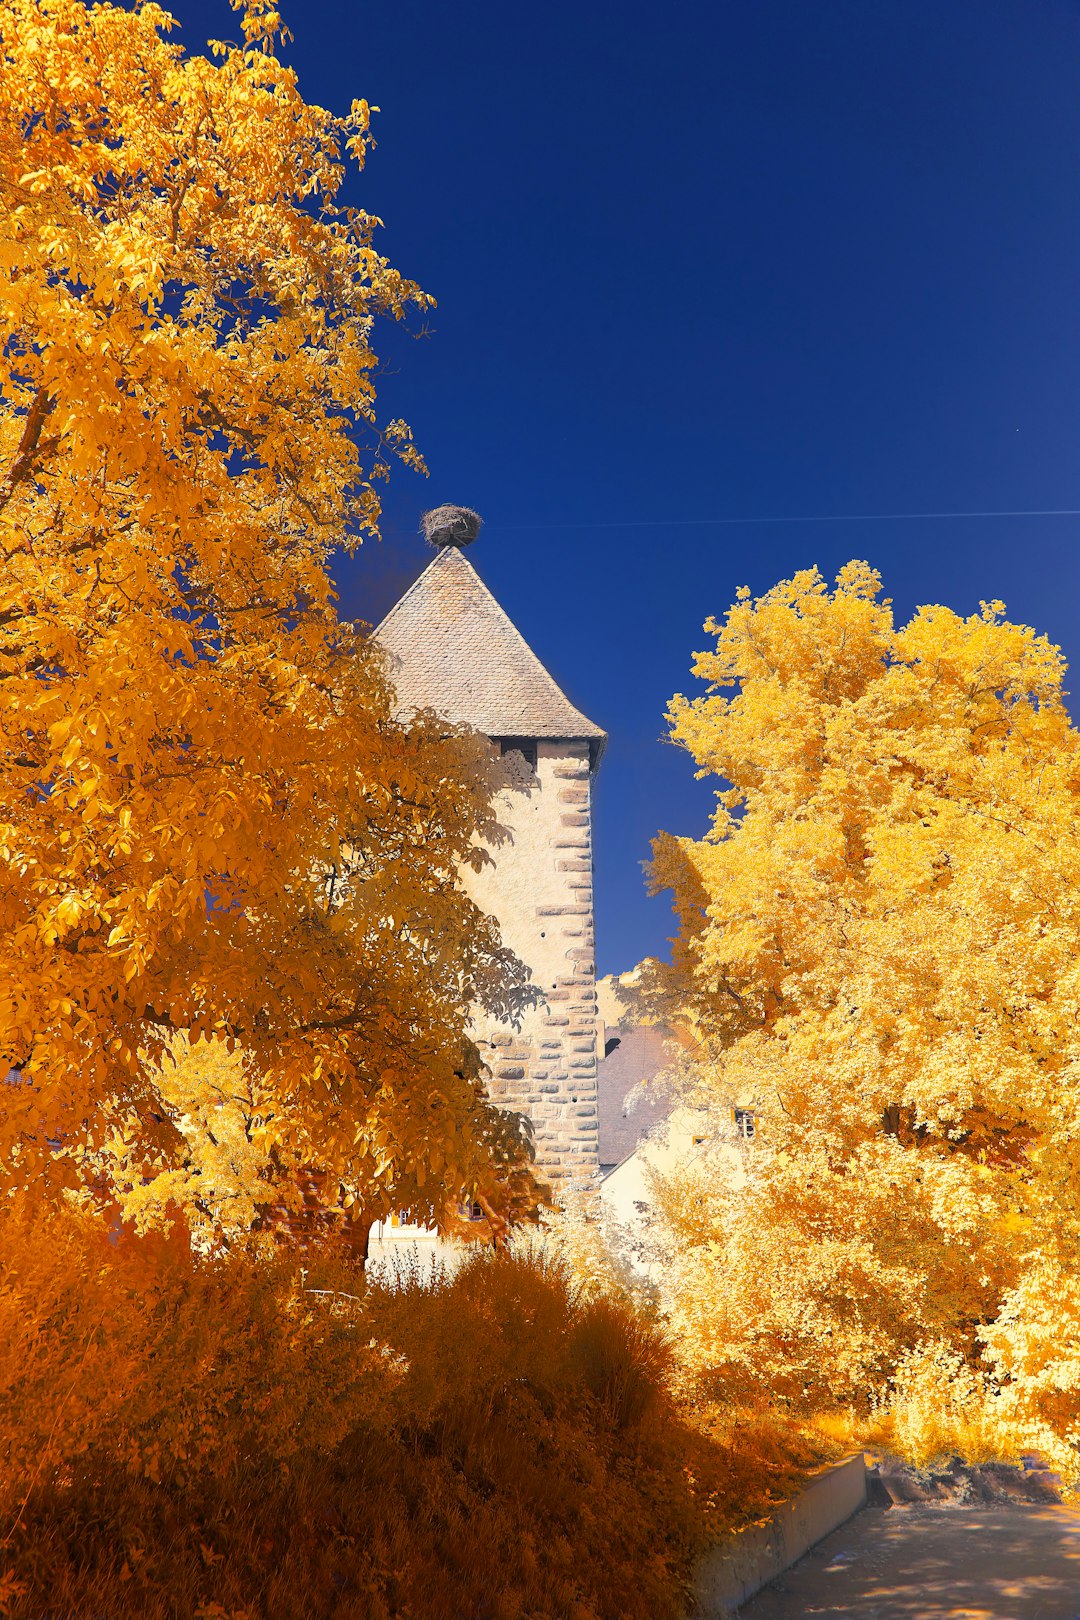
{"x":879,"y":953}
{"x":218,"y":1439}
{"x":238,"y":965}
{"x":212,"y":825}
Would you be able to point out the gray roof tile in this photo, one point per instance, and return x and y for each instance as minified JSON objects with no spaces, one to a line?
{"x":628,"y":1106}
{"x":453,"y":649}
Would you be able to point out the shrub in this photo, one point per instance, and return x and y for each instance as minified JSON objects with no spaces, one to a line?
{"x":941,"y":1406}
{"x":238,"y":1437}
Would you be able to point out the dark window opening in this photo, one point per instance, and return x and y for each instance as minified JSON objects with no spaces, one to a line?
{"x":744,"y":1122}
{"x":525,"y":746}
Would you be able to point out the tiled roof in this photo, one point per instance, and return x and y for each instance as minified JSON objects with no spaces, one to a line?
{"x":454,"y":650}
{"x":629,"y":1108}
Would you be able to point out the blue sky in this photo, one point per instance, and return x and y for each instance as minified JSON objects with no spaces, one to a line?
{"x":718,"y":260}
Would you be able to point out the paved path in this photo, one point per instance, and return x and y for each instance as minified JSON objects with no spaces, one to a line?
{"x":918,"y":1562}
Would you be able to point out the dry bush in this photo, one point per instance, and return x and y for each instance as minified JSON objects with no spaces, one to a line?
{"x":621,"y":1359}
{"x":239,"y":1438}
{"x":1033,"y":1351}
{"x":941,"y":1407}
{"x":1020,"y":1397}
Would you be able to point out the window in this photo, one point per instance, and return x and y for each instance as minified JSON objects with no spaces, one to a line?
{"x":744,"y":1123}
{"x":525,"y":746}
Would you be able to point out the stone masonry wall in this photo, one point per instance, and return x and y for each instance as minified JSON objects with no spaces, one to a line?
{"x":541,"y":891}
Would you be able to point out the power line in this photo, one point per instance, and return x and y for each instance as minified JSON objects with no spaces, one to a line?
{"x":746,"y":522}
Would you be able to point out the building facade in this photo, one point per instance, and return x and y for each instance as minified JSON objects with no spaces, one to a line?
{"x":453,"y":649}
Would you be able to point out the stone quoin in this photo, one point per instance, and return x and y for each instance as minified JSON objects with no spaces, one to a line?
{"x":454,"y":650}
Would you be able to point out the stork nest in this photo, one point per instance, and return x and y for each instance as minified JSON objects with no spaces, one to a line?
{"x":451,"y":525}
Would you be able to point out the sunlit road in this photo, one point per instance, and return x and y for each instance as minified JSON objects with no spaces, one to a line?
{"x":921,"y":1562}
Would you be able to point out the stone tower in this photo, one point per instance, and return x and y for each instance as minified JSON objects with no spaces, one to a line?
{"x":454,"y":650}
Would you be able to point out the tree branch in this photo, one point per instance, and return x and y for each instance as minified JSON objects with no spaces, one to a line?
{"x":29,"y":444}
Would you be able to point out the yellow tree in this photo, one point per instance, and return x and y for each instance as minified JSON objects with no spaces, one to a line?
{"x":878,"y":951}
{"x":210,"y":820}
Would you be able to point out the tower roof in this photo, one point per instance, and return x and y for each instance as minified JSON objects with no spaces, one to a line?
{"x":453,"y":649}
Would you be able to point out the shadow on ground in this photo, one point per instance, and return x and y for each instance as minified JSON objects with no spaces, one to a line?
{"x":962,"y":1544}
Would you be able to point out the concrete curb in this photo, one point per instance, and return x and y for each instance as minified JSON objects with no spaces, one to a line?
{"x":730,"y":1573}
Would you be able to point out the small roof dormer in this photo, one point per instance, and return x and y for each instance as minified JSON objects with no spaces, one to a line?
{"x":453,"y":649}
